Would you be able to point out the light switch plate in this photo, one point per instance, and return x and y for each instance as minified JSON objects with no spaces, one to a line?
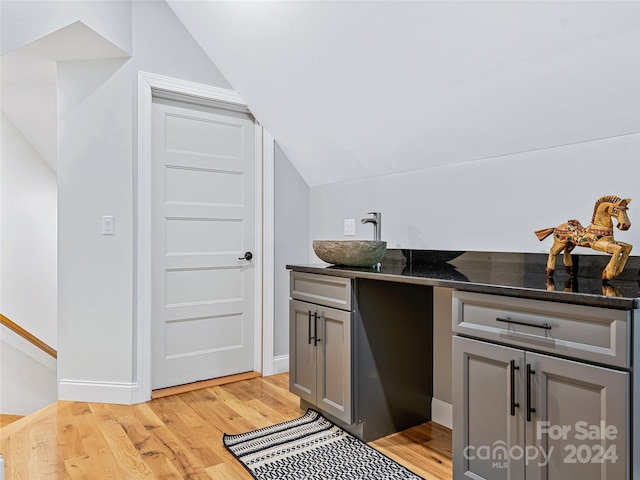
{"x":349,"y":226}
{"x":107,"y":225}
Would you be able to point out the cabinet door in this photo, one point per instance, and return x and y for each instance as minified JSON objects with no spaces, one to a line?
{"x":580,"y":421}
{"x":487,"y":417}
{"x":302,"y":351}
{"x":334,"y":367}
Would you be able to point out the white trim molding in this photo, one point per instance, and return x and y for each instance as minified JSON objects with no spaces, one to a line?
{"x":442,"y":412}
{"x":159,"y":84}
{"x":280,"y":364}
{"x":150,"y":84}
{"x":102,"y":392}
{"x":258,"y":252}
{"x":268,"y":262}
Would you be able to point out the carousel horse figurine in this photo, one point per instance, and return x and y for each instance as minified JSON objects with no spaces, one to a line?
{"x":598,"y":236}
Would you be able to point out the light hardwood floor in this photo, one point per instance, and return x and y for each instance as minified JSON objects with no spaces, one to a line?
{"x":9,"y":419}
{"x":180,"y":436}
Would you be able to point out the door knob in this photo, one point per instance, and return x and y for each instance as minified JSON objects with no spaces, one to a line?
{"x":247,"y":256}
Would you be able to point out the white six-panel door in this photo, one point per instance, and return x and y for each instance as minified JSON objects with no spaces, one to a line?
{"x":203,"y":162}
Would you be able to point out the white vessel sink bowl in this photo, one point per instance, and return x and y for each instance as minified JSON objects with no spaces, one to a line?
{"x":351,"y":253}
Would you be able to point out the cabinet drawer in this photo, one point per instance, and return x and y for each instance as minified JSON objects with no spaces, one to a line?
{"x":599,"y":335}
{"x":321,"y":289}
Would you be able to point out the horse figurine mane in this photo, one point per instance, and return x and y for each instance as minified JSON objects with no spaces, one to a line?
{"x":598,"y":236}
{"x":601,"y":200}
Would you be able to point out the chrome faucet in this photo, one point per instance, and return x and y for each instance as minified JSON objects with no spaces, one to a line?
{"x":377,"y":224}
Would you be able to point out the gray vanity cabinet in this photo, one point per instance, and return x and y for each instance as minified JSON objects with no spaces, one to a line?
{"x":320,"y":353}
{"x":361,"y":351}
{"x":590,"y":404}
{"x":522,"y":413}
{"x":481,"y":416}
{"x":563,"y":435}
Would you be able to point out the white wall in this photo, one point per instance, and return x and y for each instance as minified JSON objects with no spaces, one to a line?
{"x":291,"y":205}
{"x":23,"y":22}
{"x":95,"y":170}
{"x":96,"y":165}
{"x":489,"y":205}
{"x":28,"y":376}
{"x":163,"y":45}
{"x":96,"y":178}
{"x":28,"y":270}
{"x":29,"y":232}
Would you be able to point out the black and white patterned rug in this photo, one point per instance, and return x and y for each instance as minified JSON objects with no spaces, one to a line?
{"x":311,"y":448}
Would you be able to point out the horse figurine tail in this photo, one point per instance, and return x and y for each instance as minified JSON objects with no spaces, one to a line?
{"x":544,"y":233}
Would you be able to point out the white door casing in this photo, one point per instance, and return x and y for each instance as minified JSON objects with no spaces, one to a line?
{"x":202,"y":205}
{"x":152,"y":84}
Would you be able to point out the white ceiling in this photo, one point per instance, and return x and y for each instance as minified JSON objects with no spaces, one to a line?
{"x":365,"y":88}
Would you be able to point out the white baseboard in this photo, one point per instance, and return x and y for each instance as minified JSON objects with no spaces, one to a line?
{"x":442,"y":413}
{"x":124,"y":393}
{"x":100,"y":392}
{"x":280,"y":364}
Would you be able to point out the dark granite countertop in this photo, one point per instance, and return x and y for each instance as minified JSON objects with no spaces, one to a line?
{"x":511,"y":274}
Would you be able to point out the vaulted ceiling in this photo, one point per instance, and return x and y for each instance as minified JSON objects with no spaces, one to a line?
{"x":359,"y":89}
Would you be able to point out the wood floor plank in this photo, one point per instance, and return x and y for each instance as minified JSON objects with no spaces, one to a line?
{"x":79,"y":468}
{"x":254,"y":417}
{"x":271,"y":415}
{"x":216,"y":413}
{"x":193,"y":432}
{"x":421,"y":450}
{"x":120,"y":444}
{"x":20,"y":462}
{"x":238,"y":401}
{"x":45,"y":444}
{"x":67,"y":434}
{"x":180,"y":436}
{"x":226,"y":471}
{"x":100,"y":461}
{"x":30,"y":420}
{"x":160,"y":421}
{"x":6,"y":420}
{"x":145,"y":443}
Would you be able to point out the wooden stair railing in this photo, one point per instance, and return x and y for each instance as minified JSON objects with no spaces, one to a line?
{"x":27,"y":336}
